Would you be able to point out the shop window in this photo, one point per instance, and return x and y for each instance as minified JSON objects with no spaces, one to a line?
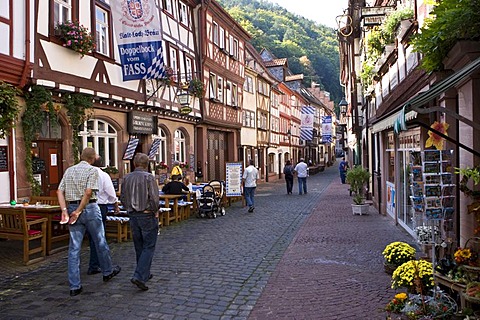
{"x":101,"y":136}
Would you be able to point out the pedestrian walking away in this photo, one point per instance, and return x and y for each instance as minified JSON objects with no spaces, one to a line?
{"x":77,"y":188}
{"x":288,"y":171}
{"x":106,"y":196}
{"x":139,"y":196}
{"x":302,"y":173}
{"x":250,"y":177}
{"x":342,"y":168}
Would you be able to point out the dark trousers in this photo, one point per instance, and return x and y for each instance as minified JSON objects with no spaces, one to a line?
{"x":343,"y":175}
{"x":289,"y":182}
{"x":94,"y":264}
{"x":144,"y":231}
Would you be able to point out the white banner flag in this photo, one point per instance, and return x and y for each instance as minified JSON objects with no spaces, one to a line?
{"x":139,"y":37}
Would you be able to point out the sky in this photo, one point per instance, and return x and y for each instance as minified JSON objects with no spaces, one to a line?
{"x":321,"y":11}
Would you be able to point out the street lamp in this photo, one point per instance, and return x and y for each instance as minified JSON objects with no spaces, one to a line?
{"x":184,"y":100}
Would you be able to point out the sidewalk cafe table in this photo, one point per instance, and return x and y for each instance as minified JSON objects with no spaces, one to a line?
{"x":52,"y":213}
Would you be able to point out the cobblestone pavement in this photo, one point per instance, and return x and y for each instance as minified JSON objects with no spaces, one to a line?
{"x":295,"y":257}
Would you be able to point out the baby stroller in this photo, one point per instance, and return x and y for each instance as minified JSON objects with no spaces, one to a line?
{"x":219,"y":194}
{"x":206,"y":202}
{"x":209,"y":201}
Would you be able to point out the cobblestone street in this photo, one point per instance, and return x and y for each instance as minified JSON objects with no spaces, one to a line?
{"x":295,"y":257}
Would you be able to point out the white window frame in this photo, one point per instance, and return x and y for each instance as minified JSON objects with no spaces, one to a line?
{"x":161,"y":155}
{"x":183,"y":14}
{"x":188,"y":68}
{"x":220,"y":89}
{"x":212,"y":86}
{"x":179,"y":146}
{"x":235,"y":48}
{"x":168,"y":6}
{"x":95,"y":136}
{"x":215,"y":33}
{"x":62,"y":11}
{"x":173,"y":60}
{"x":228,"y":92}
{"x":221,"y":40}
{"x":234,"y":95}
{"x":102,"y":32}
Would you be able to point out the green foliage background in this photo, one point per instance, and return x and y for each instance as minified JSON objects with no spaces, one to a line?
{"x":311,"y":48}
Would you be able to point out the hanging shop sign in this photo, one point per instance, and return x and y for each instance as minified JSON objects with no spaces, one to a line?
{"x":138,"y":122}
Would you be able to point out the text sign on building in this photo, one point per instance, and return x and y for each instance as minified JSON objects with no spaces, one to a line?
{"x":139,"y":38}
{"x":138,"y":122}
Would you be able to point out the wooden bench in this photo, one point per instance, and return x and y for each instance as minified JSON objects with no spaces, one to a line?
{"x":15,"y":226}
{"x":53,"y":201}
{"x":117,"y":228}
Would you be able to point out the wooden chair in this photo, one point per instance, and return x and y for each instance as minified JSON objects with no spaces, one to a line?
{"x":53,"y":201}
{"x":15,"y":226}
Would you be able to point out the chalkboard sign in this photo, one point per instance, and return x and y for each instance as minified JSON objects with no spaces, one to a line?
{"x":3,"y":158}
{"x":115,"y":184}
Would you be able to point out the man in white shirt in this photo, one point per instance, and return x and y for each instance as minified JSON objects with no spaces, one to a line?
{"x":106,"y":196}
{"x":250,"y":177}
{"x":302,"y":173}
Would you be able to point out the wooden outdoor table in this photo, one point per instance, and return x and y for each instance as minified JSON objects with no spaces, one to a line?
{"x":454,"y":286}
{"x":49,"y":212}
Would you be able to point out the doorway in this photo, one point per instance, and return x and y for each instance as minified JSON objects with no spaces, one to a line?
{"x":48,"y":165}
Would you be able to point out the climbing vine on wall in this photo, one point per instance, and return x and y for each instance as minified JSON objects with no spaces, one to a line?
{"x":78,"y":106}
{"x":37,"y":101}
{"x":8,"y":108}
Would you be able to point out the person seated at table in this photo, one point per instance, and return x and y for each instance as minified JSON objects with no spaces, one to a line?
{"x":175,"y":186}
{"x":186,"y":181}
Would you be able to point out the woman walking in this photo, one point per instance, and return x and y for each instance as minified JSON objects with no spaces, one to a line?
{"x":288,"y":172}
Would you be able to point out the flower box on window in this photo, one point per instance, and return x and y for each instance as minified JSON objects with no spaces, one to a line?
{"x":75,"y":37}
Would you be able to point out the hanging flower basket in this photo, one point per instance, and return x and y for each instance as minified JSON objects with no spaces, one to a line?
{"x":75,"y":37}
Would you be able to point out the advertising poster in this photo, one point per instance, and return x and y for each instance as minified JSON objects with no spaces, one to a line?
{"x":139,"y":38}
{"x":233,"y":181}
{"x":327,"y":129}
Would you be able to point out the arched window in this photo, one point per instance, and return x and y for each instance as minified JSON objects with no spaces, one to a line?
{"x":101,"y":136}
{"x":179,"y":146}
{"x":161,"y":155}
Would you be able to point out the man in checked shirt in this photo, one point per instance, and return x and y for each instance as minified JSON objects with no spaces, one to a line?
{"x":77,"y":189}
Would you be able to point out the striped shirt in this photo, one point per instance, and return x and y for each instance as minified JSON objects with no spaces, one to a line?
{"x":77,"y":179}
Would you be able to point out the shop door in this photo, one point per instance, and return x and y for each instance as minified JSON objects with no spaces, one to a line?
{"x":216,"y":155}
{"x":51,"y":154}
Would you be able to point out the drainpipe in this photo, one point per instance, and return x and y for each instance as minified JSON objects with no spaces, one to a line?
{"x":23,"y":79}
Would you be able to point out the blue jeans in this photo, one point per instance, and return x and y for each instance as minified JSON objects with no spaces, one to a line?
{"x":249,"y":194}
{"x":302,"y":184}
{"x":343,"y":175}
{"x":94,"y":264}
{"x":90,"y":219}
{"x":144,"y":231}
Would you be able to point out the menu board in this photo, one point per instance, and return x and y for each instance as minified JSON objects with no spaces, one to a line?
{"x":3,"y":158}
{"x":234,"y":179}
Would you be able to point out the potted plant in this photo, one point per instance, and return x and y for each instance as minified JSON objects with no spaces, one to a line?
{"x":161,"y":167}
{"x":358,"y":177}
{"x":196,"y":88}
{"x":112,"y":171}
{"x":75,"y":37}
{"x":396,"y":254}
{"x":415,"y":276}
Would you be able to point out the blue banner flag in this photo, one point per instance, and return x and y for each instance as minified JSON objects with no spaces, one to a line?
{"x":139,"y":38}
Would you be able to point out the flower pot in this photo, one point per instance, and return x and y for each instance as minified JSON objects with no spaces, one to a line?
{"x":389,"y":267}
{"x":360,"y":209}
